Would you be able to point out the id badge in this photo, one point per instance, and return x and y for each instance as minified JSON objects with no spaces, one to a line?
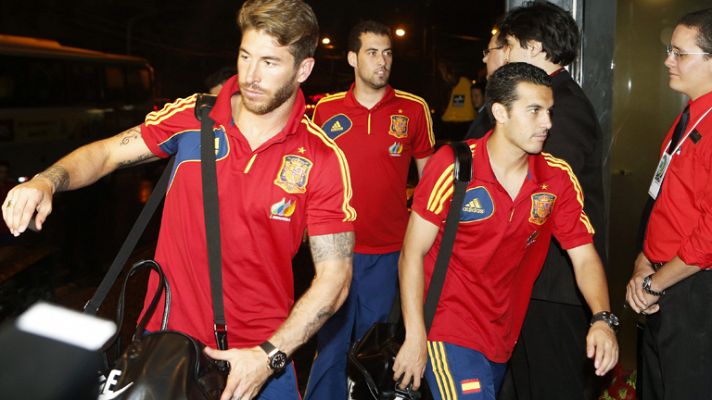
{"x":660,"y":172}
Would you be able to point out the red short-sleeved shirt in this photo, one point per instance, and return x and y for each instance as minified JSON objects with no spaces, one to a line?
{"x":378,"y":144}
{"x":500,"y":245}
{"x":298,"y":179}
{"x":681,"y":221}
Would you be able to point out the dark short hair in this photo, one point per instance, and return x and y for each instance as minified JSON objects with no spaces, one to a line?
{"x":291,"y":22}
{"x":219,"y":77}
{"x":375,"y":27}
{"x":502,"y":85}
{"x":546,"y":23}
{"x":702,"y":21}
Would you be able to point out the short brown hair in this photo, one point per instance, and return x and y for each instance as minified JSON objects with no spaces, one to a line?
{"x":291,"y":22}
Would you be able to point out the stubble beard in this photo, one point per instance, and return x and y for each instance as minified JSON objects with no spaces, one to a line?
{"x":273,"y":102}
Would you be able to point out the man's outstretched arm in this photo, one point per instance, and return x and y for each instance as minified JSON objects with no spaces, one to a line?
{"x":79,"y":168}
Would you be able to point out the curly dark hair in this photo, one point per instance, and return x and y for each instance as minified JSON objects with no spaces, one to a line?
{"x":546,"y":23}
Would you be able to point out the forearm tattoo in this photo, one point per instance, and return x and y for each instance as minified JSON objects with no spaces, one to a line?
{"x":129,"y":135}
{"x":58,"y":176}
{"x":334,"y":246}
{"x":137,"y":160}
{"x":315,"y":324}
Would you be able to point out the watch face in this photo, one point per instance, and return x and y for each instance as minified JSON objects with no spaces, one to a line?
{"x":278,"y":361}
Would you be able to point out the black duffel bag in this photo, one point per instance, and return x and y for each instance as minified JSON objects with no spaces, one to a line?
{"x":163,"y":364}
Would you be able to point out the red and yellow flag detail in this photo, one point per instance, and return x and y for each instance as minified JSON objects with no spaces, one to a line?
{"x":470,"y":386}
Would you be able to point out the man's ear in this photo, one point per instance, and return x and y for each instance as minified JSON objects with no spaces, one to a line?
{"x":535,"y":48}
{"x":500,"y":113}
{"x":305,"y":68}
{"x":352,"y":58}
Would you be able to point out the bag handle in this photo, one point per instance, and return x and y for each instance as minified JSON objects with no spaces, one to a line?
{"x":92,"y":306}
{"x":163,"y":287}
{"x":211,"y":211}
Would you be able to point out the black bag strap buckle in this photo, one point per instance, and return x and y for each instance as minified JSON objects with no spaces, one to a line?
{"x":220,"y":335}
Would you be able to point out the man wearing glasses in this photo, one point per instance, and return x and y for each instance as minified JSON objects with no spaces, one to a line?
{"x":671,"y":282}
{"x":549,"y":361}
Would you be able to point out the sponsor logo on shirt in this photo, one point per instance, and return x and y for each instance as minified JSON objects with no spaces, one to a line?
{"x":293,"y":176}
{"x":283,"y":210}
{"x":399,"y":126}
{"x":542,"y":204}
{"x":478,"y":205}
{"x":337,"y":126}
{"x":395,"y":149}
{"x":470,"y":386}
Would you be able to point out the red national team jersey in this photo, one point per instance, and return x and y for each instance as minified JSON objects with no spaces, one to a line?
{"x":500,"y":245}
{"x":298,"y":179}
{"x":378,"y":144}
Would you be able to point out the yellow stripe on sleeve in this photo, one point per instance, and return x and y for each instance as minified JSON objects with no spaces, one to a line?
{"x":349,"y":212}
{"x":426,"y":111}
{"x":564,"y":166}
{"x":155,"y":118}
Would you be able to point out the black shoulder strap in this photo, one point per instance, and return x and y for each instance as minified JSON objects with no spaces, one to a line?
{"x":92,"y":306}
{"x":463,"y":175}
{"x":211,"y":210}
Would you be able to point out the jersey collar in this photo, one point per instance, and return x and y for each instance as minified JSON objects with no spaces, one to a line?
{"x":222,"y":112}
{"x":352,"y":102}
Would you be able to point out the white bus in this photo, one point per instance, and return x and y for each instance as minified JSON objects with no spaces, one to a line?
{"x":54,"y":98}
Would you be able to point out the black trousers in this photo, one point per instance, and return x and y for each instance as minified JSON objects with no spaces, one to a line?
{"x":549,"y":361}
{"x":676,"y":348}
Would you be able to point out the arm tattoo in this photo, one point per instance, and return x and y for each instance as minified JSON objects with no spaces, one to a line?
{"x":137,"y":160}
{"x":129,"y":135}
{"x":58,"y":176}
{"x":315,"y":324}
{"x":333,"y":246}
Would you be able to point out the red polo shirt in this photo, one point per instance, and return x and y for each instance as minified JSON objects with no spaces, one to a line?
{"x":298,"y":179}
{"x":378,"y":144}
{"x":500,"y":245}
{"x":681,"y":220}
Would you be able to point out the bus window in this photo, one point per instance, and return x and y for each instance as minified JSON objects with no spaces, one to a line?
{"x":84,"y":83}
{"x":138,"y":83}
{"x":115,"y":87}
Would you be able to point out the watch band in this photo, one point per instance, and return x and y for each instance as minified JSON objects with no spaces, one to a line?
{"x":608,"y":317}
{"x":268,"y":348}
{"x":647,"y":286}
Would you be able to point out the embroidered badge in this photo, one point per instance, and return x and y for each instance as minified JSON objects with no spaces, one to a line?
{"x":337,"y":126}
{"x":395,"y":149}
{"x":542,"y":204}
{"x":470,"y":386}
{"x":399,"y":126}
{"x":283,"y":210}
{"x":294,"y":174}
{"x":478,"y":205}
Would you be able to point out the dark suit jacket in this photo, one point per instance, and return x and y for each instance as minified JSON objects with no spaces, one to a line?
{"x":576,"y":137}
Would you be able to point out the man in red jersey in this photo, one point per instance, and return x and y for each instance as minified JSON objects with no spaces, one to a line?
{"x":671,"y":281}
{"x":518,"y":198}
{"x":380,"y":130}
{"x":277,"y":173}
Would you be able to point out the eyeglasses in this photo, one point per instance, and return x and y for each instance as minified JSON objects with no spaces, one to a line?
{"x":487,"y":51}
{"x":679,"y":55}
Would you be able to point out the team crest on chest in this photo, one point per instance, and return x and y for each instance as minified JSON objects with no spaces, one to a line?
{"x":542,"y":204}
{"x":399,"y":126}
{"x":337,"y":126}
{"x":477,"y":206}
{"x":293,"y":176}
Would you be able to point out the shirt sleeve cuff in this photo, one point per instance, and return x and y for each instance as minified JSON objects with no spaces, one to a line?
{"x":575,"y":241}
{"x":153,"y":146}
{"x":692,"y":256}
{"x":330,"y":228}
